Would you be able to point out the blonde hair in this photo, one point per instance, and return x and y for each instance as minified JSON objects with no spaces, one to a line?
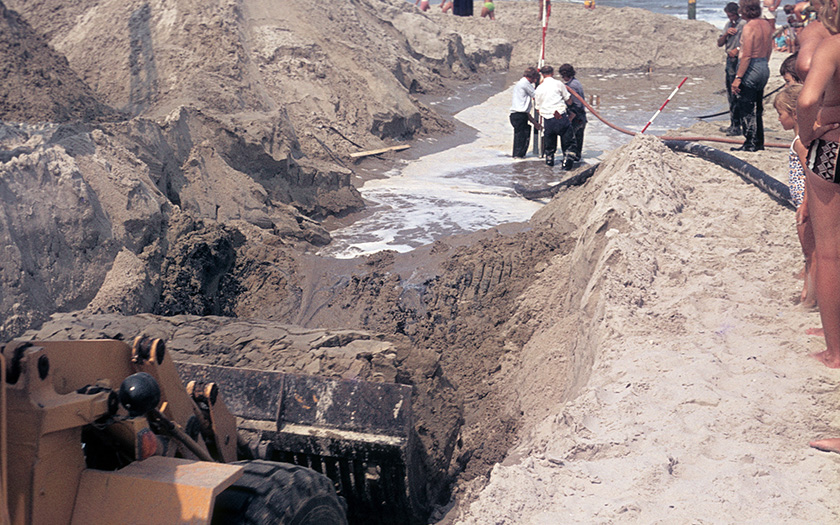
{"x":829,"y":17}
{"x":785,"y":101}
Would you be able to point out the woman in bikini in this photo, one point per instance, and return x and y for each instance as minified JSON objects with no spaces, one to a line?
{"x":820,"y":97}
{"x":488,"y":10}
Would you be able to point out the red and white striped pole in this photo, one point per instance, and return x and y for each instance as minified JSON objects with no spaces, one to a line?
{"x":658,"y":111}
{"x":546,"y":12}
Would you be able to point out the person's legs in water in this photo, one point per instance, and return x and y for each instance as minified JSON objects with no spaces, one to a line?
{"x":579,"y":130}
{"x":521,"y":134}
{"x":567,"y":142}
{"x":824,"y":213}
{"x":551,"y":128}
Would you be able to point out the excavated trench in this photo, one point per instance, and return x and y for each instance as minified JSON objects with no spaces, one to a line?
{"x":444,"y":319}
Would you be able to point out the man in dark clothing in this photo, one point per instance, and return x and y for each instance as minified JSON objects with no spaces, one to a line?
{"x":462,"y":7}
{"x":552,"y":99}
{"x":520,"y":111}
{"x":730,"y":40}
{"x":753,"y":73}
{"x":576,"y":110}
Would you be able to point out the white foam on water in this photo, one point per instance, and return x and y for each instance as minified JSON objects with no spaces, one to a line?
{"x":442,"y":193}
{"x":470,"y":187}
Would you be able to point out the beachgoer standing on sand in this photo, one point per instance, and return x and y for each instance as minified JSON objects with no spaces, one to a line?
{"x":730,"y":41}
{"x":753,"y":73}
{"x":552,"y":100}
{"x":488,"y":10}
{"x":798,"y":11}
{"x":821,"y":93}
{"x":422,"y":4}
{"x":768,"y":11}
{"x":577,"y":109}
{"x":462,"y":7}
{"x":520,"y":111}
{"x":785,"y":104}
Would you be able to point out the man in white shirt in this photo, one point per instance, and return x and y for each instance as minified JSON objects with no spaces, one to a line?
{"x":552,"y":98}
{"x":520,"y":112}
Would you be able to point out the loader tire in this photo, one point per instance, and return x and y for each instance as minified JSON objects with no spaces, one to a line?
{"x":270,"y":492}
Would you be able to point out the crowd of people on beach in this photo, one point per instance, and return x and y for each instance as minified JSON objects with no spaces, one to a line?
{"x":809,"y":104}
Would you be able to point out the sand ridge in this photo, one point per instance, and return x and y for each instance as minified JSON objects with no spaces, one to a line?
{"x":634,"y":353}
{"x":701,"y":396}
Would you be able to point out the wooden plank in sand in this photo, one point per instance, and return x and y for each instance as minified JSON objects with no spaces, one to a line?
{"x":378,"y":151}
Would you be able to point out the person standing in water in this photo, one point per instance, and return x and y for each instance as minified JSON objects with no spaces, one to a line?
{"x":577,"y":109}
{"x":552,"y":100}
{"x":520,"y":111}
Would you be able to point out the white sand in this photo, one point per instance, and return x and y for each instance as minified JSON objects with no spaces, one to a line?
{"x":689,"y":395}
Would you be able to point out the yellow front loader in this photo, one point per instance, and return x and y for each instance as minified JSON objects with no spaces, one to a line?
{"x":103,"y":432}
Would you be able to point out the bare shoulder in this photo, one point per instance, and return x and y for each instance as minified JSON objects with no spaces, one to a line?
{"x":813,"y":32}
{"x":828,"y":48}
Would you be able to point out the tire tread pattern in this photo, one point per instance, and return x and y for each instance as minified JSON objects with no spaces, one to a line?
{"x":270,"y":492}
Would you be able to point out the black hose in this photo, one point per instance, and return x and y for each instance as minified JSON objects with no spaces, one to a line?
{"x":666,"y":137}
{"x":777,"y":190}
{"x":727,"y":111}
{"x":550,"y":191}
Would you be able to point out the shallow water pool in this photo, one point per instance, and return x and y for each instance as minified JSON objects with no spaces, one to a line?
{"x":468,"y":186}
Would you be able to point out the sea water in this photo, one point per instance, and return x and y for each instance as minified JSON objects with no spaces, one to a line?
{"x":440,"y":191}
{"x":708,"y":10}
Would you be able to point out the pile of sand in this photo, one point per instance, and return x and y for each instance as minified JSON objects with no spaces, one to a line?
{"x":684,"y":392}
{"x":634,"y":353}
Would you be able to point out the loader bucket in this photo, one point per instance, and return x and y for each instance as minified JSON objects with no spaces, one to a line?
{"x":360,"y":434}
